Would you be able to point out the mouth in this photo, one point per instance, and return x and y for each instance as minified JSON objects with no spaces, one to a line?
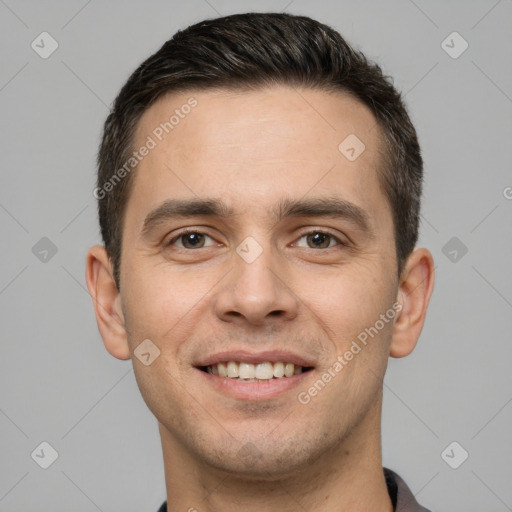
{"x":259,"y":372}
{"x":248,"y":376}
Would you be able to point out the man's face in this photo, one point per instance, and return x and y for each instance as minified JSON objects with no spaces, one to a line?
{"x":262,"y":284}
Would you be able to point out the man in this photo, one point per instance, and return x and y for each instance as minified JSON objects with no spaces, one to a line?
{"x":259,"y":189}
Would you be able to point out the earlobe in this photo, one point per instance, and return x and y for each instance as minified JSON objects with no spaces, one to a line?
{"x":416,"y":286}
{"x":107,"y":302}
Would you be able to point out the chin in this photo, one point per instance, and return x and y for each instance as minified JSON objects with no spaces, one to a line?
{"x":266,"y":459}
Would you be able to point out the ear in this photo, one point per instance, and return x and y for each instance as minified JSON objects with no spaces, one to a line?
{"x":107,"y":302}
{"x":415,"y":290}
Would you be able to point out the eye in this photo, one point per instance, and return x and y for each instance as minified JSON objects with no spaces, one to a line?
{"x":190,"y":240}
{"x":320,"y":240}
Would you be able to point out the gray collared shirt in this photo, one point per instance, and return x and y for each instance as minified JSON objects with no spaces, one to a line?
{"x":402,"y":498}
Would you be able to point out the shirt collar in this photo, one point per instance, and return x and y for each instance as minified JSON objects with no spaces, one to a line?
{"x":401,"y":496}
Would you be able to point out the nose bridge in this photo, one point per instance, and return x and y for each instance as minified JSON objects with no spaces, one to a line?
{"x":256,"y":288}
{"x":253,"y":270}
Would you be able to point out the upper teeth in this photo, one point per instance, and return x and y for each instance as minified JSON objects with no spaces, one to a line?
{"x":260,"y":371}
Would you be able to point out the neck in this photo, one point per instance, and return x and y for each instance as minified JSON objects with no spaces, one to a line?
{"x":348,"y":477}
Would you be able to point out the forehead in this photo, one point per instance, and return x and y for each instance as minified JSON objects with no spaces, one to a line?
{"x":258,"y":145}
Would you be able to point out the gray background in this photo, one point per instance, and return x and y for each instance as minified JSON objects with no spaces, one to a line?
{"x":57,"y":382}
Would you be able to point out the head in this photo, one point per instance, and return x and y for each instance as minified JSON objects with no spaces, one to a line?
{"x":244,"y":121}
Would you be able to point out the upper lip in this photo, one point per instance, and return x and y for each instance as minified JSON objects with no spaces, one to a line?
{"x":270,"y":356}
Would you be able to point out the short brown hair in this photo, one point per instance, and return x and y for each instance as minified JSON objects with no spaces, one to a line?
{"x":251,"y":50}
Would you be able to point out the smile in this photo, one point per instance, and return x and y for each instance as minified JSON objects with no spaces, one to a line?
{"x":249,"y":372}
{"x":253,"y":376}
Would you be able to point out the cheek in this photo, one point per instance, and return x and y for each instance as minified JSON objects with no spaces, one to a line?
{"x":154,"y":311}
{"x":349,"y":300}
{"x":147,"y":305}
{"x":165,"y":306}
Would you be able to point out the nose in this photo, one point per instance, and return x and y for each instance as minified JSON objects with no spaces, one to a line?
{"x":256,"y":292}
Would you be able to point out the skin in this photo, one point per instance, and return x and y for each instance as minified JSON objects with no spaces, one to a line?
{"x":253,"y":149}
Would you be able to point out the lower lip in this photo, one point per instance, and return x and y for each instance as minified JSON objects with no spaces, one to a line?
{"x":254,"y":391}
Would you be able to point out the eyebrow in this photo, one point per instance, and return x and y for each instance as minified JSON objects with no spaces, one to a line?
{"x":332,"y":207}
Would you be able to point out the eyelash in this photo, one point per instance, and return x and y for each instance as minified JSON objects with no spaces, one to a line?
{"x":192,"y":231}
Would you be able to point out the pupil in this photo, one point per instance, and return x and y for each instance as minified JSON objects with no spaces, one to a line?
{"x":193,"y":239}
{"x":319,"y":237}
